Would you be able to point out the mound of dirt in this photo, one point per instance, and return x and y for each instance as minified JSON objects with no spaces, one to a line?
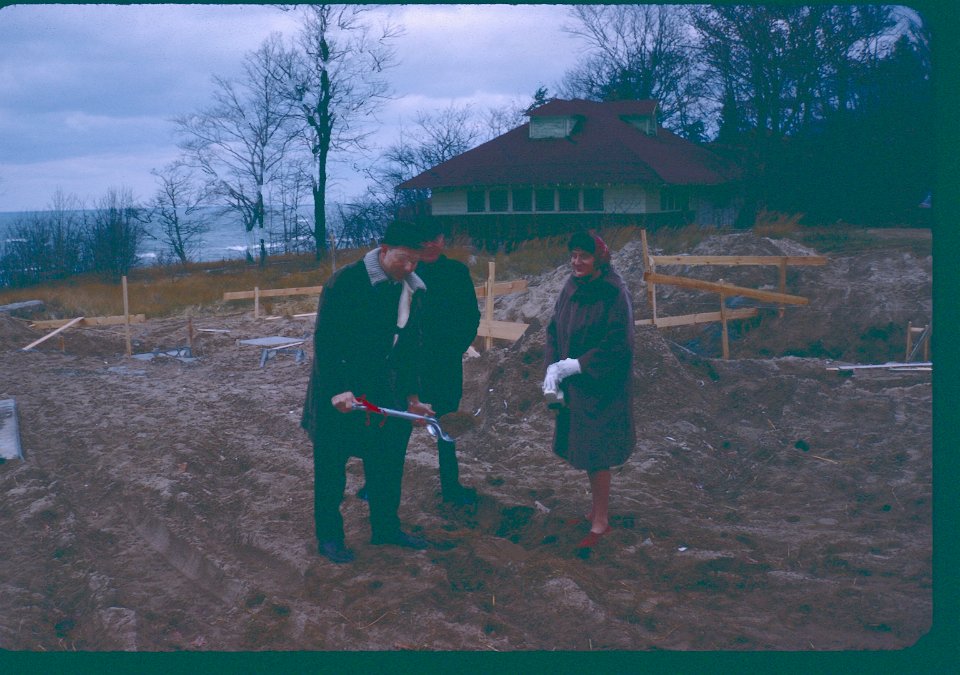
{"x":769,"y":503}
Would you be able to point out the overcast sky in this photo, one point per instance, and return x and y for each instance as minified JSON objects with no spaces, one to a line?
{"x":87,"y":92}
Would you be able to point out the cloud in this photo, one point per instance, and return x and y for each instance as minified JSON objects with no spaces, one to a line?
{"x":88,"y":177}
{"x":87,"y":92}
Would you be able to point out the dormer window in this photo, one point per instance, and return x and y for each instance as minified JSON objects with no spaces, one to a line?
{"x":553,"y":126}
{"x":645,"y":123}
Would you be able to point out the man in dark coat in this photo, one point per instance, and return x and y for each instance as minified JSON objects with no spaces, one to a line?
{"x":450,"y":319}
{"x":366,"y":344}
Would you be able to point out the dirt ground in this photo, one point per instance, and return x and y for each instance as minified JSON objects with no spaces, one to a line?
{"x":770,"y":504}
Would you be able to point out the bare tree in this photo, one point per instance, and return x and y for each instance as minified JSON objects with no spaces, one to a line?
{"x":241,"y":142}
{"x":781,"y":70}
{"x":785,"y":66}
{"x":337,"y":87}
{"x":115,"y":232}
{"x":435,"y":138}
{"x":178,"y":210}
{"x":290,"y":190}
{"x":636,"y":52}
{"x":46,"y":245}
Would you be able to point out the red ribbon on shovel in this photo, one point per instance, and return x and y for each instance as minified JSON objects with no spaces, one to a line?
{"x":371,"y":408}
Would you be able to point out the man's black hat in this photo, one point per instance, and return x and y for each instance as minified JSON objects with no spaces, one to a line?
{"x":404,"y":233}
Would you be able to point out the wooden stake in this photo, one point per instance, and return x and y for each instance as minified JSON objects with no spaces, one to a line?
{"x":725,"y":338}
{"x":256,"y":302}
{"x":190,"y":334}
{"x":126,"y":316}
{"x":783,"y":283}
{"x":649,"y":266}
{"x":909,"y":340}
{"x":488,"y":301}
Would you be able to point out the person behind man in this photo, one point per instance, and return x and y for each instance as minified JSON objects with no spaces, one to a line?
{"x":450,"y":319}
{"x":366,"y":344}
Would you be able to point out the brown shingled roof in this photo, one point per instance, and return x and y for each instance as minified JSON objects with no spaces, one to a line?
{"x":603,"y":150}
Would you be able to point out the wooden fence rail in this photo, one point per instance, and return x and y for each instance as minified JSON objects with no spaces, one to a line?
{"x":652,"y":278}
{"x":488,"y":329}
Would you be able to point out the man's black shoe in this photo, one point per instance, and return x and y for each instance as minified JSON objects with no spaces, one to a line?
{"x":335,"y":551}
{"x":461,"y":496}
{"x":362,"y":493}
{"x":401,"y":539}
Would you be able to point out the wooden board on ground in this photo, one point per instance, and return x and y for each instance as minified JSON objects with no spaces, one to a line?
{"x":89,"y":321}
{"x":50,"y":335}
{"x":891,"y":365}
{"x":504,"y":330}
{"x":33,"y":305}
{"x":272,"y":293}
{"x":701,"y":317}
{"x":273,"y":342}
{"x":9,"y":431}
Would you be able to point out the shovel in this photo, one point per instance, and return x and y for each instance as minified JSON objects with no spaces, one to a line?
{"x":432,"y":424}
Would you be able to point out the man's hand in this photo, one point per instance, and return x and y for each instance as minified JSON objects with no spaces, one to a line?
{"x":344,"y":402}
{"x":565,"y":368}
{"x":417,"y":407}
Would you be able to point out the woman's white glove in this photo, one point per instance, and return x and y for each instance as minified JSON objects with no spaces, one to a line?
{"x":551,"y":385}
{"x":565,"y":368}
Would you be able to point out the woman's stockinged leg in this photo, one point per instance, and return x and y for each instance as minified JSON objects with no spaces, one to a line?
{"x":600,"y":491}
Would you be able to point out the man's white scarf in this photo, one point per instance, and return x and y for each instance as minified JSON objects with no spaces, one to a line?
{"x":411,"y":284}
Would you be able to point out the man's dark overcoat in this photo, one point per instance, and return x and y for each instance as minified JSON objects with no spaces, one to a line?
{"x":450,"y":320}
{"x":593,"y":322}
{"x":354,"y":351}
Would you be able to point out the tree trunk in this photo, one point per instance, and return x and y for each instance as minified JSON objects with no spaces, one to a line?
{"x":320,"y":219}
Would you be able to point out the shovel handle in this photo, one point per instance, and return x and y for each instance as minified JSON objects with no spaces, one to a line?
{"x":432,"y":424}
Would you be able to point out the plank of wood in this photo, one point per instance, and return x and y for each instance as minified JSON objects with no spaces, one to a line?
{"x":273,"y":342}
{"x":502,"y":288}
{"x":505,"y":330}
{"x":691,"y":319}
{"x":740,"y":259}
{"x":726,"y":289}
{"x":50,"y":335}
{"x":9,"y":430}
{"x":892,"y":365}
{"x":26,"y":304}
{"x":273,"y":293}
{"x":89,"y":321}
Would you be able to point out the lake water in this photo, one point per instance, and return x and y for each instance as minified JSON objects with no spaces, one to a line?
{"x":226,"y":239}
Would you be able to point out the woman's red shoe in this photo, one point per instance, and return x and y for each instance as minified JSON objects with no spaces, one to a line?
{"x":592,"y":538}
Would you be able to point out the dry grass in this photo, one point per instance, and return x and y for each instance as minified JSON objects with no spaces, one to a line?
{"x":170,"y":291}
{"x":199,"y":288}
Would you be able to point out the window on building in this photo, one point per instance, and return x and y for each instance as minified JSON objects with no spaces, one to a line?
{"x":673,"y":199}
{"x":593,"y":199}
{"x":476,"y":202}
{"x":523,"y":199}
{"x":569,"y":200}
{"x":498,"y":200}
{"x":544,"y":200}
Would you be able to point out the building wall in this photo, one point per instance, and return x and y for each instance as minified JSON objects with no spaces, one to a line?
{"x":623,"y":206}
{"x":626,"y":199}
{"x":448,"y":203}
